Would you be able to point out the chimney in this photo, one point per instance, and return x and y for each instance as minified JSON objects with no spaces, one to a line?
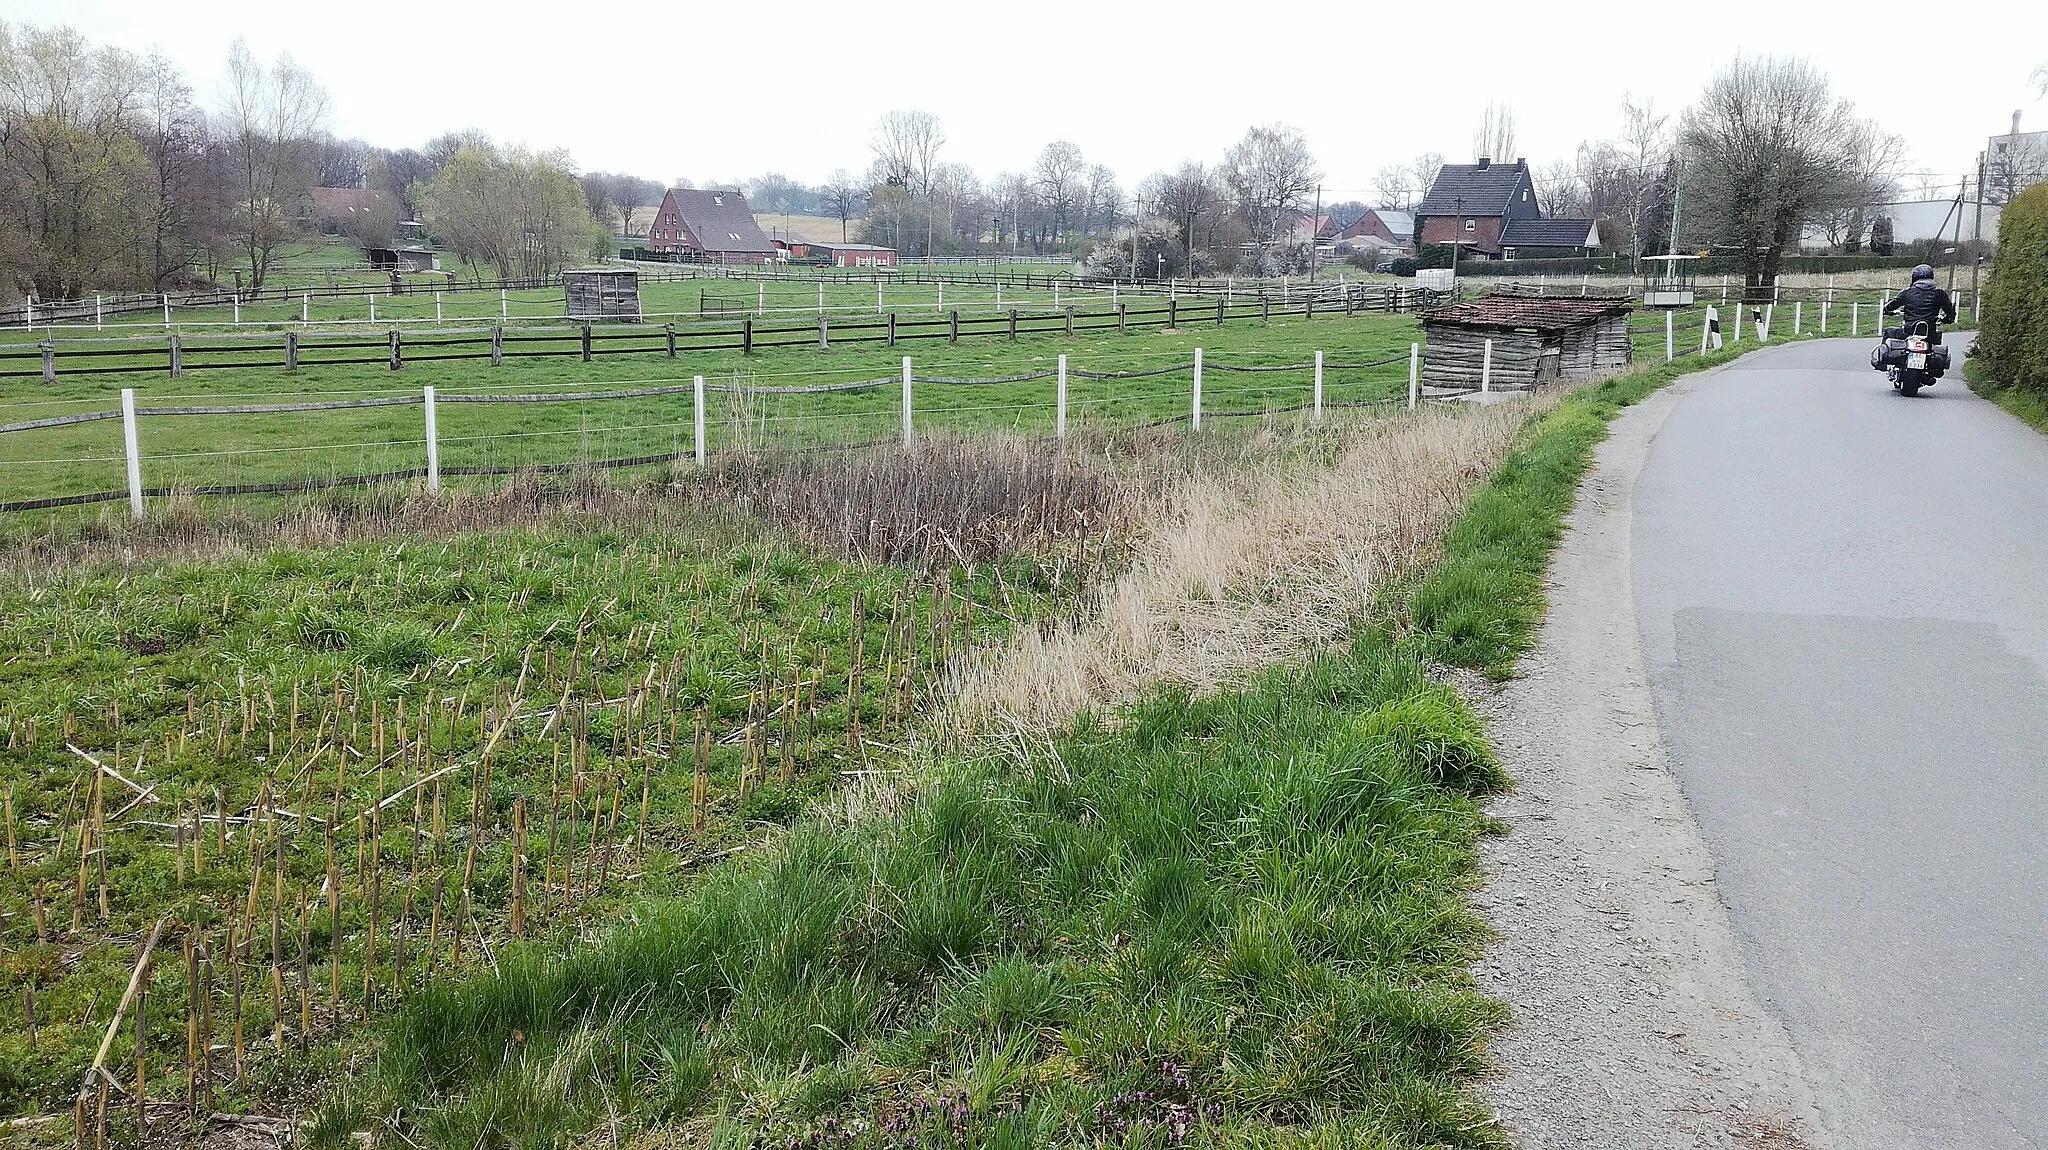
{"x":1521,"y":161}
{"x":2015,"y":122}
{"x":1485,"y":162}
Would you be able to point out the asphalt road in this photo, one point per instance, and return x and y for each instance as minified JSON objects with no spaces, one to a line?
{"x":1843,"y":601}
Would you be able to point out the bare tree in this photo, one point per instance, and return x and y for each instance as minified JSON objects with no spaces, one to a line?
{"x":1424,"y":168}
{"x":1059,"y":176}
{"x":1394,"y":187}
{"x":270,"y":116}
{"x":1271,"y":174}
{"x":906,"y":145}
{"x":1495,"y":138}
{"x":1188,"y":199}
{"x":842,"y":198}
{"x":1767,"y":150}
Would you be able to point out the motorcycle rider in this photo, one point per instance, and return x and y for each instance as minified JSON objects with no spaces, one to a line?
{"x":1923,"y":303}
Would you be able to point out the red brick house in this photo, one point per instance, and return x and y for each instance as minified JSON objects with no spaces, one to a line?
{"x":1491,"y":212}
{"x":1382,"y":223}
{"x":709,"y":224}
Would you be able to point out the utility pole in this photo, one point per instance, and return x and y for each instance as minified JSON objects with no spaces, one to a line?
{"x":1315,"y":230}
{"x":1137,"y":220}
{"x":1977,"y":232}
{"x":1962,"y":196}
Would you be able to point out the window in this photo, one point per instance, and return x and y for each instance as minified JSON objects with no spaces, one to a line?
{"x":1471,"y":225}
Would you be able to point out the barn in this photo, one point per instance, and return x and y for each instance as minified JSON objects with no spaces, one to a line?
{"x":1535,"y":340}
{"x":855,"y":255}
{"x":602,"y":294}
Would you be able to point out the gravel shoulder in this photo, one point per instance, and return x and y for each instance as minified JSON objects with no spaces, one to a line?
{"x":1635,"y":1023}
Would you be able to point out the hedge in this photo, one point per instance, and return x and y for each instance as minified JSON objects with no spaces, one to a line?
{"x":2013,"y":337}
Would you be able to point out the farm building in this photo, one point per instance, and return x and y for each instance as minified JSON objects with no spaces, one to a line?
{"x":1394,"y":229}
{"x":402,"y":259}
{"x":1534,"y":340}
{"x":855,"y":255}
{"x":708,"y":224}
{"x":1491,"y":212}
{"x":602,"y":293}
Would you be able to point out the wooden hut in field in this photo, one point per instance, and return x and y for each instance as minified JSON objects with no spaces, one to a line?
{"x":1534,"y":340}
{"x":602,"y":294}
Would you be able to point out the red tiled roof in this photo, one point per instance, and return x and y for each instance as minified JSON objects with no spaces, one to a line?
{"x":1514,"y":311}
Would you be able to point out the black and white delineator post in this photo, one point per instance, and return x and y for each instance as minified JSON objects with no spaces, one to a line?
{"x":1710,"y":335}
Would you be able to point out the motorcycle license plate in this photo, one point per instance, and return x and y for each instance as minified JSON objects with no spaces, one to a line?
{"x":1917,"y":361}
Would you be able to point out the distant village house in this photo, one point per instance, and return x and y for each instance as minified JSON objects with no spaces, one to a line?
{"x":709,"y":224}
{"x":1490,"y":212}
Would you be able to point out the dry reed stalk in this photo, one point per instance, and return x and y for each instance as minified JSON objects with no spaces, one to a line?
{"x":1241,"y":575}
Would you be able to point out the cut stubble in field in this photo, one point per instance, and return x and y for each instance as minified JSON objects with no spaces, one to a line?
{"x":1243,"y":571}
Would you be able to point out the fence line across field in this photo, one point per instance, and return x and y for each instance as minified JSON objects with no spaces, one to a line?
{"x":399,"y":347}
{"x":131,"y":412}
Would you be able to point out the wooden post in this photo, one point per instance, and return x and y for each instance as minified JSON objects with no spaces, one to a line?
{"x":668,"y":330}
{"x":1172,"y":312}
{"x":1059,"y":419}
{"x":1120,"y":317}
{"x":50,"y":360}
{"x":1070,"y":321}
{"x":747,"y":336}
{"x":131,"y":444}
{"x":177,"y":358}
{"x":953,"y":324}
{"x":291,"y":351}
{"x":497,"y":345}
{"x":823,"y":339}
{"x":892,"y":329}
{"x":1265,"y":309}
{"x":909,"y":434}
{"x":1013,"y":324}
{"x":1219,"y":313}
{"x":697,"y":416}
{"x":433,"y":441}
{"x":397,"y":359}
{"x":586,"y":343}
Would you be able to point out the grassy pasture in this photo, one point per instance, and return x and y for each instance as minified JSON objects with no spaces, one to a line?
{"x":342,"y":771}
{"x":255,"y":448}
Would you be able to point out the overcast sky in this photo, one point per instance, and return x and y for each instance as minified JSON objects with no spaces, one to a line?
{"x":714,"y":92}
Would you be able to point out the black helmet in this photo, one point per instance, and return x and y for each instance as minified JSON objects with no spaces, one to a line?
{"x":1922,"y":272}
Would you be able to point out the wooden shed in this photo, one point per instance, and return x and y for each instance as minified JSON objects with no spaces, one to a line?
{"x":602,"y":294}
{"x":1534,"y":340}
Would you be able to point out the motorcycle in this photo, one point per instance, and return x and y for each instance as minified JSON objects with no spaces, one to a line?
{"x":1910,"y":358}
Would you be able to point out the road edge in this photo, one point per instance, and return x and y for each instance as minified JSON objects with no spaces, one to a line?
{"x":1636,"y":1025}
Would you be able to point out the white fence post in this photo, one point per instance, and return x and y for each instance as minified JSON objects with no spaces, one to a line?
{"x":1669,"y":355}
{"x":941,"y":305}
{"x":1195,"y":396}
{"x":1855,"y":316}
{"x":373,"y":309}
{"x":134,"y":449}
{"x":504,"y":305}
{"x":98,"y":315}
{"x":1798,"y":316}
{"x":433,"y":440}
{"x":909,"y":433}
{"x":878,"y":297}
{"x":1823,"y":317}
{"x":1486,"y":368}
{"x":437,"y":308}
{"x":167,"y":311}
{"x":1059,"y":419}
{"x":1319,"y":387}
{"x":1414,"y":374}
{"x":760,"y":298}
{"x":306,"y":310}
{"x":697,"y":416}
{"x":1763,"y":334}
{"x":821,"y":297}
{"x":1736,"y":335}
{"x":238,"y":310}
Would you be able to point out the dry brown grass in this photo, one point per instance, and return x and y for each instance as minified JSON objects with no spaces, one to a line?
{"x":1240,"y":571}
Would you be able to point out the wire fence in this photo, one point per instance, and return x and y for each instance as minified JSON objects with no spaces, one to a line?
{"x":216,"y":448}
{"x":709,"y":330}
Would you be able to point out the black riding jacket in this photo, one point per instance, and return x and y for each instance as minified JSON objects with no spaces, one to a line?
{"x":1923,"y":302}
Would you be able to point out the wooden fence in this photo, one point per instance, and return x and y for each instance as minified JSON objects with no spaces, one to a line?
{"x":174,"y":355}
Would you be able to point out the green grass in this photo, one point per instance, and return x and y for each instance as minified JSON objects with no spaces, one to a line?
{"x":258,"y":448}
{"x":2029,"y":407}
{"x":319,"y":680}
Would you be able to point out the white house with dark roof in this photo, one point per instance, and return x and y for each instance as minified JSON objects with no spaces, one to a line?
{"x":709,"y":224}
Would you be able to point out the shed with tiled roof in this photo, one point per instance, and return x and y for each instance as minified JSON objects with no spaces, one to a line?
{"x":1533,"y":340}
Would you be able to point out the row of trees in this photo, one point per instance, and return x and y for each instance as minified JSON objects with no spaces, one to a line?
{"x":114,"y":176}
